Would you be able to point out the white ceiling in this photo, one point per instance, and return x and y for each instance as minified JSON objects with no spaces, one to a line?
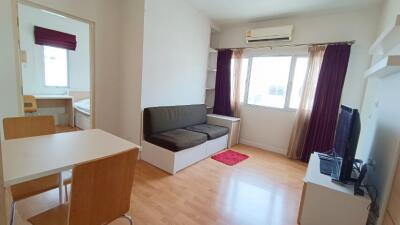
{"x":236,"y":11}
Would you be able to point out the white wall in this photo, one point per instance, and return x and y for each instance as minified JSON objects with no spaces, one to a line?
{"x":131,"y":74}
{"x":176,"y":41}
{"x":10,"y":104}
{"x":270,"y":128}
{"x":383,"y":137}
{"x":380,"y":136}
{"x":33,"y":69}
{"x":390,"y":10}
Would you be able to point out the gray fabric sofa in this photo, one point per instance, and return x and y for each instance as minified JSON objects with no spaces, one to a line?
{"x":177,"y":128}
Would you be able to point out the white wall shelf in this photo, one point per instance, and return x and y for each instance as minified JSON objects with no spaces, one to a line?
{"x":211,"y":77}
{"x":385,"y":67}
{"x":388,"y":43}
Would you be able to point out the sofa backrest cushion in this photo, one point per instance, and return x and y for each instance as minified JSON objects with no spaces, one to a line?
{"x":165,"y":118}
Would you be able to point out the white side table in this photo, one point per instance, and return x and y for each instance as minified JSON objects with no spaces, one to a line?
{"x":232,"y":123}
{"x":328,"y":203}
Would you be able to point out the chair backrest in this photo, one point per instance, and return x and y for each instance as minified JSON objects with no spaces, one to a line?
{"x":30,"y":104}
{"x":165,"y":118}
{"x":101,"y":190}
{"x":20,"y":127}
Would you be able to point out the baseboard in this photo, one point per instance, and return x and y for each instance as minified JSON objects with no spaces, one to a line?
{"x":263,"y":146}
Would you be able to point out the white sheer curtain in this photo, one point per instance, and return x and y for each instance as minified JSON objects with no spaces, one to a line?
{"x":300,"y":128}
{"x":236,"y":81}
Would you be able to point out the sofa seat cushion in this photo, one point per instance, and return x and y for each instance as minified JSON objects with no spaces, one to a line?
{"x":178,"y":139}
{"x":212,"y":131}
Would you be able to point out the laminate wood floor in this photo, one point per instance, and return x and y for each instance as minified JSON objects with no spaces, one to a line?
{"x":262,"y":190}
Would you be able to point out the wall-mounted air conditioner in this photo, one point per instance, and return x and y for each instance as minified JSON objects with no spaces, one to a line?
{"x":281,"y":33}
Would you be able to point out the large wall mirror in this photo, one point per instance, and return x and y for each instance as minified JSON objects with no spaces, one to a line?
{"x":56,"y":66}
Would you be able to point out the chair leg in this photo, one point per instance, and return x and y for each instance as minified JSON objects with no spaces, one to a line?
{"x":66,"y":192}
{"x":128,"y":218}
{"x":60,"y":189}
{"x":12,"y":220}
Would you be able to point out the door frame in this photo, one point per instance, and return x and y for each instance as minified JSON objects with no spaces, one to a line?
{"x":18,"y":52}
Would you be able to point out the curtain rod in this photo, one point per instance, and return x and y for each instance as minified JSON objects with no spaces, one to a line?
{"x":292,"y":45}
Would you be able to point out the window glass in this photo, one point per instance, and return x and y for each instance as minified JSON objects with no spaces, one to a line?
{"x":268,"y":81}
{"x":55,"y":67}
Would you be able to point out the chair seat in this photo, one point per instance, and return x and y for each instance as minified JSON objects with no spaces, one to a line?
{"x":212,"y":131}
{"x":67,"y":177}
{"x":54,"y":216}
{"x":177,"y":140}
{"x":34,"y":187}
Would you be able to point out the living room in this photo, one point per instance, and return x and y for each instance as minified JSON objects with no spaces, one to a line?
{"x":228,"y":105}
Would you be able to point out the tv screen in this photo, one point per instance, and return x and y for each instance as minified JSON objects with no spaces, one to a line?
{"x":346,"y":140}
{"x":343,"y":131}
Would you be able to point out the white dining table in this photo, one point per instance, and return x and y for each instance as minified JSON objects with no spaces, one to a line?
{"x":30,"y":158}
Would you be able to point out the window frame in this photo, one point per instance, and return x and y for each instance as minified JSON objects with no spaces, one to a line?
{"x":44,"y":69}
{"x":289,"y":85}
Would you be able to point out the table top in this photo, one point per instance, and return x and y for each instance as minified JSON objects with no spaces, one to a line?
{"x":30,"y":158}
{"x":47,"y":97}
{"x":314,"y":176}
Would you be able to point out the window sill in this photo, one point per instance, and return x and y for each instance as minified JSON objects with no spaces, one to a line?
{"x":270,"y":108}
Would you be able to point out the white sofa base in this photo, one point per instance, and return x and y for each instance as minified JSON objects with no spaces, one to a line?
{"x":172,"y":162}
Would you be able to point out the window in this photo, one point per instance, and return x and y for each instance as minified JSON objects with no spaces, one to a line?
{"x":276,"y":81}
{"x":55,"y":67}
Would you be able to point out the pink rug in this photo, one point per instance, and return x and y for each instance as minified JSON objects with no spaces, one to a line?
{"x":230,"y":157}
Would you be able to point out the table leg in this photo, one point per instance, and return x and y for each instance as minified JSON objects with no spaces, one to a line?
{"x":69,"y":108}
{"x":5,"y":197}
{"x":303,"y":192}
{"x":5,"y":206}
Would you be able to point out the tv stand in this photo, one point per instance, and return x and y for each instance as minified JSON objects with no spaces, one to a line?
{"x":329,"y":203}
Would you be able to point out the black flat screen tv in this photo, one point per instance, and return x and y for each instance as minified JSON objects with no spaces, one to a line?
{"x":346,"y":140}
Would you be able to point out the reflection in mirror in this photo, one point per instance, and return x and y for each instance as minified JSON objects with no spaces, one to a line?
{"x":56,"y":66}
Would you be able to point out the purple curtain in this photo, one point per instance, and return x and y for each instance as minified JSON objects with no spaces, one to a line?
{"x":222,"y":102}
{"x":54,"y":38}
{"x":321,"y":133}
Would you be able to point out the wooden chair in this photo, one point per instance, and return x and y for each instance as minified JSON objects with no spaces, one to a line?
{"x":21,"y":127}
{"x":30,"y":104}
{"x":100,"y":193}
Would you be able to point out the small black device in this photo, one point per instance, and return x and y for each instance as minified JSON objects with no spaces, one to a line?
{"x":357,"y":185}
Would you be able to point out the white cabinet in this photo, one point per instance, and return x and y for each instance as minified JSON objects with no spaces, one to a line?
{"x":328,"y":203}
{"x":232,"y":123}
